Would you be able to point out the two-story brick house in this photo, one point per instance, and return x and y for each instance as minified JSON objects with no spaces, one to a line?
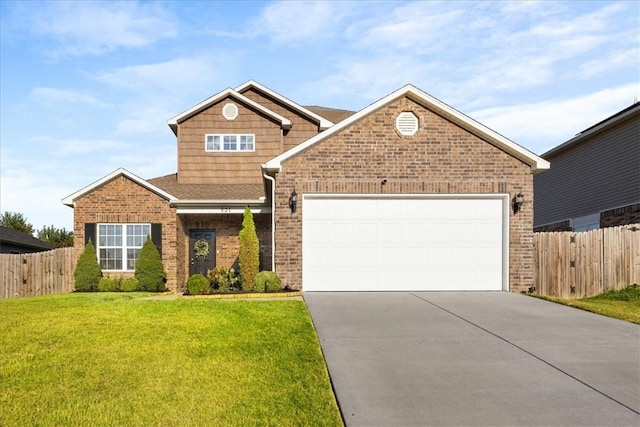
{"x":406,"y":194}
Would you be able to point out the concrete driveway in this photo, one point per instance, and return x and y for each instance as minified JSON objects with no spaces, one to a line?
{"x":476,"y":358}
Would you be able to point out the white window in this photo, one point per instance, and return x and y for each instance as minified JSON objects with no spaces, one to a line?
{"x":119,"y":245}
{"x":228,"y":142}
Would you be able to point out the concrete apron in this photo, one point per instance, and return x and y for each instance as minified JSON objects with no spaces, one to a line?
{"x":476,"y":358}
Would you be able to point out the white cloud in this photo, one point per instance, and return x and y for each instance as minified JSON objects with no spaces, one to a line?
{"x":52,"y":97}
{"x":76,"y":146}
{"x":418,"y":27}
{"x":612,"y":61}
{"x":371,"y":79}
{"x":543,"y":125}
{"x":170,"y":76}
{"x":295,"y":22}
{"x":93,"y":28}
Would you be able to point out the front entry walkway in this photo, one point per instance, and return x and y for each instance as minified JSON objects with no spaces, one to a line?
{"x":476,"y":358}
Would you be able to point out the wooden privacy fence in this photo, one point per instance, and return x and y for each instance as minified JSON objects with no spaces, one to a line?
{"x":40,"y":273}
{"x":577,"y":265}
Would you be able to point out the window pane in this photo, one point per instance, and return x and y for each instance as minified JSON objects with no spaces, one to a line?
{"x":110,"y":235}
{"x":243,"y":142}
{"x":137,"y":234}
{"x":102,"y":231}
{"x":132,"y":257}
{"x":111,"y":259}
{"x":230,"y":143}
{"x":246,"y":142}
{"x":146,"y":232}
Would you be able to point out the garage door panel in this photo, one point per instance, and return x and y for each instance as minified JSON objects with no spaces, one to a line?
{"x":365,"y":258}
{"x":402,"y":244}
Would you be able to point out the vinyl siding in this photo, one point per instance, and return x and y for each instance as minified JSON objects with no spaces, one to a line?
{"x":602,"y":172}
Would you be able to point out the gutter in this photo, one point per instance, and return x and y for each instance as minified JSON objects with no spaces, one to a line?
{"x":273,"y":219}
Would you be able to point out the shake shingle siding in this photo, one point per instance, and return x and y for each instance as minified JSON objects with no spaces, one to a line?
{"x":601,"y":172}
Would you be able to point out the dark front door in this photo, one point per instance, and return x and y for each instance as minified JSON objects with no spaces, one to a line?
{"x":202,"y":251}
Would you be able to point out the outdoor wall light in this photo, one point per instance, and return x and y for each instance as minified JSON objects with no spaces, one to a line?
{"x":293,"y":201}
{"x":518,"y":200}
{"x":384,"y":182}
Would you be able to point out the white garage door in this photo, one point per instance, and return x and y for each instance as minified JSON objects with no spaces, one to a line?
{"x":387,"y":243}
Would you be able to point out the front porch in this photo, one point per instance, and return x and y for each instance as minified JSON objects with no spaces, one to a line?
{"x":221,"y":234}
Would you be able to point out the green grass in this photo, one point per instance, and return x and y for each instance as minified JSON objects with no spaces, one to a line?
{"x":623,"y":304}
{"x":114,"y":359}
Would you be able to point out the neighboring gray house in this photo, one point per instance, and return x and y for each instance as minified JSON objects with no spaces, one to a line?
{"x":594,"y":180}
{"x":16,"y":242}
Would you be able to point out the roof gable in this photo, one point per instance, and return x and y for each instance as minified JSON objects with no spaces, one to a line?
{"x":71,"y":199}
{"x":536,"y":163}
{"x":322,"y":122}
{"x":173,"y":122}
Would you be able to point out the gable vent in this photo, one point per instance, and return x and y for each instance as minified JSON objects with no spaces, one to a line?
{"x":407,"y":123}
{"x":230,"y":111}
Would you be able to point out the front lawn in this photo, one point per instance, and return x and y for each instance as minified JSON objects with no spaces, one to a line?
{"x":623,"y":304}
{"x":114,"y":359}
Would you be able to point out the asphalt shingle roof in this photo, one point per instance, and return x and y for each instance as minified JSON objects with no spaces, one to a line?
{"x":334,"y":115}
{"x":18,"y":238}
{"x":169,"y":183}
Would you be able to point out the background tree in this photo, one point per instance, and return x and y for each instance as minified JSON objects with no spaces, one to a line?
{"x":17,"y":221}
{"x":88,"y":272}
{"x":58,"y":237}
{"x":149,"y":269}
{"x":249,"y":256}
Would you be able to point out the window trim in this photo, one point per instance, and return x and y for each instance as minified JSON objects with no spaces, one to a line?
{"x":124,"y":247}
{"x":238,"y":136}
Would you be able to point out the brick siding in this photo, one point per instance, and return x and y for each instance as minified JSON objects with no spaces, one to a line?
{"x":621,"y":216}
{"x":441,"y":158}
{"x":124,"y":201}
{"x":556,"y":226}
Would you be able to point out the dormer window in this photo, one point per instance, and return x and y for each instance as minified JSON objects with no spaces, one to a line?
{"x":229,"y":142}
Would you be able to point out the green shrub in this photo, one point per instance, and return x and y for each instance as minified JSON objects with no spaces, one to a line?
{"x":130,"y":284}
{"x":249,"y":256}
{"x":198,"y":285}
{"x":88,"y":272}
{"x":268,"y":278}
{"x":223,"y":279}
{"x":108,"y":284}
{"x":149,"y":269}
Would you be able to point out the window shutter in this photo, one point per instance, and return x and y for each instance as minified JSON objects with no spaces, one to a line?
{"x":90,"y":234}
{"x":156,"y":236}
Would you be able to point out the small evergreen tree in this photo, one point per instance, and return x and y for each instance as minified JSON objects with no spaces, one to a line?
{"x":88,"y":272}
{"x":149,"y":269}
{"x":249,"y":257}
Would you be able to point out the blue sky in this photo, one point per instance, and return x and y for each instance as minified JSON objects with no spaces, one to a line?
{"x":86,"y":88}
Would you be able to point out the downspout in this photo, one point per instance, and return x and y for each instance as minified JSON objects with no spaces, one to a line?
{"x":273,"y":219}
